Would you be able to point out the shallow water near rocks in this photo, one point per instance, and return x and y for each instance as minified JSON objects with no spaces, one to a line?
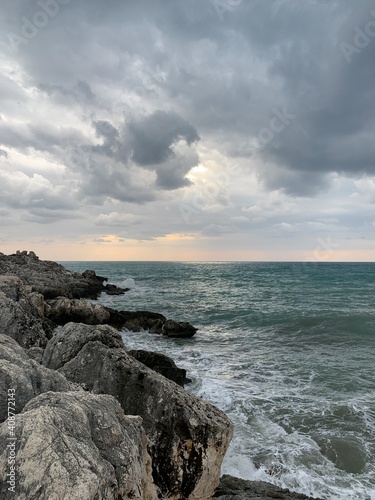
{"x":285,"y":349}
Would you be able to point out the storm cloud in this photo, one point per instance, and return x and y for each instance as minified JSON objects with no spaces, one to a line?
{"x":185,"y":114}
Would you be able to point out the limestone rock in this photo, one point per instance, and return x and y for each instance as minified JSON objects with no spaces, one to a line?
{"x":161,"y":364}
{"x":21,"y":319}
{"x":78,"y":446}
{"x":63,"y":310}
{"x":69,"y":340}
{"x":35,"y":353}
{"x":26,"y":376}
{"x":49,"y":278}
{"x":11,"y":286}
{"x":187,"y":436}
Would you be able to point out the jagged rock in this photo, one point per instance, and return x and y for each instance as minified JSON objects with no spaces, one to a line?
{"x":141,"y":320}
{"x":49,"y":278}
{"x":26,"y":376}
{"x":37,"y":300}
{"x":114,"y":290}
{"x":20,"y":316}
{"x":157,"y":327}
{"x":154,"y":322}
{"x":233,"y":488}
{"x":35,"y":353}
{"x":78,"y":446}
{"x":162,"y":364}
{"x":187,"y":436}
{"x":63,"y":310}
{"x":134,"y":320}
{"x":178,"y":329}
{"x":11,"y":286}
{"x":69,"y":340}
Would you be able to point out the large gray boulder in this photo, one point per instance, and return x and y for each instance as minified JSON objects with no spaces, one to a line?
{"x":21,"y":313}
{"x":76,"y":446}
{"x":70,"y":339}
{"x":27,"y":377}
{"x":63,"y":310}
{"x":188,"y":437}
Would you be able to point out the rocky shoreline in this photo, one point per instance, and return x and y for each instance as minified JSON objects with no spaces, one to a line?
{"x":82,"y":417}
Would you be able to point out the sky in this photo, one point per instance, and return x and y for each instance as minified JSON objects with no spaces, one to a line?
{"x":188,"y":130}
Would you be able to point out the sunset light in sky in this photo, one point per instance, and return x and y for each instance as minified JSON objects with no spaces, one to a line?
{"x":184,"y":131}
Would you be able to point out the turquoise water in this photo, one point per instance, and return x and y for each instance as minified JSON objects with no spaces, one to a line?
{"x":286,"y":349}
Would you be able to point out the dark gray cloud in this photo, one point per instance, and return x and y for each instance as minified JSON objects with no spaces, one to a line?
{"x":153,"y":136}
{"x":124,"y":98}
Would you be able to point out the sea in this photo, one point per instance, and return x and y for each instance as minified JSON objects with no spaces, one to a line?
{"x":287,"y":350}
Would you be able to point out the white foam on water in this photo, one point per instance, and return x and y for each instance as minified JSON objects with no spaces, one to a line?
{"x":264,"y":406}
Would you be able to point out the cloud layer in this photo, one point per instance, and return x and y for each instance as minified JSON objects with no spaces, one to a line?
{"x":219,"y":122}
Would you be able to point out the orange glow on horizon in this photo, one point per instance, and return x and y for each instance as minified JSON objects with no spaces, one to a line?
{"x":175,"y":247}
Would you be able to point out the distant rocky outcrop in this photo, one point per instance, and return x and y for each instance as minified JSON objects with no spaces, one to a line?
{"x":62,"y":310}
{"x":59,"y":296}
{"x":51,"y":279}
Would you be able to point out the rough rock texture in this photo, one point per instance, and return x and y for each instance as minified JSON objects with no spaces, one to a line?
{"x":114,"y":290}
{"x":49,"y":278}
{"x":187,"y":436}
{"x":56,"y":301}
{"x":35,"y":353}
{"x":162,"y":364}
{"x":178,"y":329}
{"x":232,"y":488}
{"x":77,"y":446}
{"x":21,"y":313}
{"x":135,"y":320}
{"x":63,"y":310}
{"x":154,"y":322}
{"x":69,"y":340}
{"x":26,"y":376}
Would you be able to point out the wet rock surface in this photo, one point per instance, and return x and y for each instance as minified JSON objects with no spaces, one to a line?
{"x":137,"y":321}
{"x":162,"y":364}
{"x":233,"y":488}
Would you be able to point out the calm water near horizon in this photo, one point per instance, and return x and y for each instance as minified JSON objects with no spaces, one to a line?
{"x":285,"y":349}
